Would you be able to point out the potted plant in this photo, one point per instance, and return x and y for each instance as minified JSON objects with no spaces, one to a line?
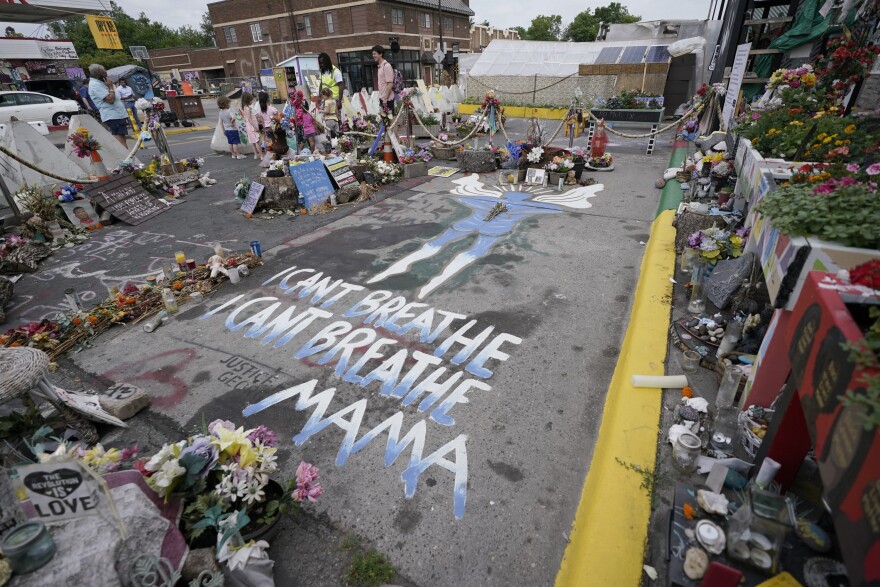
{"x":515,"y":162}
{"x":558,"y":169}
{"x":223,"y":469}
{"x":415,"y":163}
{"x":603,"y":163}
{"x":430,"y":126}
{"x":442,"y":151}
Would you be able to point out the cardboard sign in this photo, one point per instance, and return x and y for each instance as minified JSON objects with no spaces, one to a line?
{"x":441,"y":171}
{"x":340,"y":171}
{"x":312,"y":182}
{"x":395,"y":144}
{"x":182,"y":178}
{"x":87,"y":405}
{"x":60,"y":491}
{"x":253,"y":196}
{"x":731,"y":97}
{"x":126,"y":199}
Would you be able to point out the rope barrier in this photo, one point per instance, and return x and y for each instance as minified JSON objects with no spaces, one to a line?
{"x":451,"y":143}
{"x":12,"y":155}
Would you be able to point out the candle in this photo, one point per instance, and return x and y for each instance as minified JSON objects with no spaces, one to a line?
{"x":180,"y":257}
{"x":190,"y":264}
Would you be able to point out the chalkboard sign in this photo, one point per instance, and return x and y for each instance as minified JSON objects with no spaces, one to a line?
{"x":312,"y":182}
{"x":253,"y":196}
{"x":339,"y":170}
{"x":649,"y":116}
{"x":125,"y":198}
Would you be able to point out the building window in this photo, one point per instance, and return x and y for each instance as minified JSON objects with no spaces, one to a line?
{"x":256,"y":32}
{"x":328,"y":16}
{"x":396,"y":16}
{"x":229,"y":32}
{"x":307,"y":21}
{"x":360,"y":67}
{"x":447,"y":24}
{"x":265,"y":64}
{"x":425,"y":20}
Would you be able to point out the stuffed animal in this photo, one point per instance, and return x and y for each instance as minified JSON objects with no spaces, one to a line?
{"x":570,"y":179}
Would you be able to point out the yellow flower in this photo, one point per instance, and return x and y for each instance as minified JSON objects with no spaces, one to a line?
{"x":97,"y":457}
{"x":231,"y":441}
{"x":247,"y":456}
{"x":736,"y":240}
{"x":850,"y":129}
{"x":822,"y":136}
{"x":827,"y":140}
{"x":809,"y":79}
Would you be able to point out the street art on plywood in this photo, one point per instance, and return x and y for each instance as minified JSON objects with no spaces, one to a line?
{"x":488,"y":223}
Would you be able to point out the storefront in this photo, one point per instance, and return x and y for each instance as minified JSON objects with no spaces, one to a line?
{"x":40,"y":65}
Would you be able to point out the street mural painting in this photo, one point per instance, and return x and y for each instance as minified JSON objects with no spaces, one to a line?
{"x":437,"y":362}
{"x":495,"y":214}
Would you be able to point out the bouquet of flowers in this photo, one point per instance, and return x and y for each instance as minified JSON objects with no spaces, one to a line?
{"x":346,"y":145}
{"x":83,"y":144}
{"x":490,"y":100}
{"x":223,"y":468}
{"x":386,"y":172}
{"x":715,"y":244}
{"x":68,"y":193}
{"x":191,"y":163}
{"x":802,"y":77}
{"x":578,"y":155}
{"x":534,"y":155}
{"x":604,"y":161}
{"x":559,"y":165}
{"x":410,"y":155}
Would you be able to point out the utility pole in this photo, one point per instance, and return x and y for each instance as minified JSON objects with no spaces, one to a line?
{"x":442,"y":48}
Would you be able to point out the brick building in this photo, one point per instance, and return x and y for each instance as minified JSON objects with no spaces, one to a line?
{"x":258,"y":35}
{"x":482,"y":35}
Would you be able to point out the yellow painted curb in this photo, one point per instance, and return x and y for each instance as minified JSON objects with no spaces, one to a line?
{"x":611,"y":523}
{"x":519,"y":111}
{"x":180,"y":131}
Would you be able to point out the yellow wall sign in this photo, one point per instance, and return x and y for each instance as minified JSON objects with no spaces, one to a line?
{"x":104,"y":32}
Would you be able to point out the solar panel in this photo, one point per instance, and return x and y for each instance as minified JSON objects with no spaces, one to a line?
{"x":609,"y":55}
{"x":658,"y":54}
{"x":633,"y":54}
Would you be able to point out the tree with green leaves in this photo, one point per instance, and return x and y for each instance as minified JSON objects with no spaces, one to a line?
{"x":585,"y":26}
{"x":132,"y":31}
{"x":207,"y":28}
{"x":543,"y":28}
{"x":11,"y":33}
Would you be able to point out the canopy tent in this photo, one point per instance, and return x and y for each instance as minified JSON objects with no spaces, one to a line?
{"x":560,"y":59}
{"x":38,"y":11}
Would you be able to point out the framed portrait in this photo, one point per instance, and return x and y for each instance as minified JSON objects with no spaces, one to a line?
{"x":81,"y":213}
{"x":535,"y":176}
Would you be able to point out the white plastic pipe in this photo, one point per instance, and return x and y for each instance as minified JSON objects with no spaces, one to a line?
{"x":662,"y":381}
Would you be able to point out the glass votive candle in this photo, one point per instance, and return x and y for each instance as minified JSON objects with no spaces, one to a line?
{"x":180,"y":258}
{"x":689,"y":361}
{"x":28,"y":547}
{"x":685,"y":452}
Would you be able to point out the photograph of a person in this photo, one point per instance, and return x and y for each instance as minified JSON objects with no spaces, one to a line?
{"x":535,"y":176}
{"x":81,"y":213}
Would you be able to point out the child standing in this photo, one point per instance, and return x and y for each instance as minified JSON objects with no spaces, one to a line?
{"x":305,"y":123}
{"x":229,"y":127}
{"x":266,"y":116}
{"x":331,"y":115}
{"x":250,"y":121}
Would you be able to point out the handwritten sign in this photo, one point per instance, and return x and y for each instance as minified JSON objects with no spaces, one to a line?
{"x":312,"y":182}
{"x":60,"y":491}
{"x":731,"y":97}
{"x":126,"y":199}
{"x":88,"y":405}
{"x":182,"y":178}
{"x":340,"y":171}
{"x":253,"y":196}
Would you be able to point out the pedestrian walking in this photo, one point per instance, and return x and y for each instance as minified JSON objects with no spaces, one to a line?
{"x":230,"y":129}
{"x":385,"y":80}
{"x":252,"y":127}
{"x":103,"y":95}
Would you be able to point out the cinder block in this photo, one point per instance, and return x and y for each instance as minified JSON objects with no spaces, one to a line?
{"x":124,"y":400}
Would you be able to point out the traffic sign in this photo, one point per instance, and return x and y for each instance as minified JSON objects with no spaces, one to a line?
{"x":439,"y":55}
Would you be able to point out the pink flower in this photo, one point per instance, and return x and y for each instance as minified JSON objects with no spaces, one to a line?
{"x":308,"y":486}
{"x":212,"y":427}
{"x":852,"y":167}
{"x":309,"y":492}
{"x":756,"y":115}
{"x":873,"y":169}
{"x":306,"y":473}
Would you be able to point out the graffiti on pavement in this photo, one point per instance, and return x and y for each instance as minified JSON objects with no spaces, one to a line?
{"x":450,"y":370}
{"x":241,"y":373}
{"x":161,"y":371}
{"x":485,"y":226}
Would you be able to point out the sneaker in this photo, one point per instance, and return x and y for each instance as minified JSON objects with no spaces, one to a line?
{"x":240,"y":156}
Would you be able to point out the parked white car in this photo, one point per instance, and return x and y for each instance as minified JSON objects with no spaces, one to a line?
{"x":35,"y":107}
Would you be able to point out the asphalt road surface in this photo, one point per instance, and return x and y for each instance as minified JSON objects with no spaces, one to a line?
{"x":446,"y":372}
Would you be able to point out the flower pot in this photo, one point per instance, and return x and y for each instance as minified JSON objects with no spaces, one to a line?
{"x":476,"y":161}
{"x":578,"y":169}
{"x":443,"y":153}
{"x":555,"y":177}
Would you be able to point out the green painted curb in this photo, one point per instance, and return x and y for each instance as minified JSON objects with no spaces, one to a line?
{"x":671,"y":196}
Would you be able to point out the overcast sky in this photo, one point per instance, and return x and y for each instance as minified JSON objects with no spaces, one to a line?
{"x":506,"y":13}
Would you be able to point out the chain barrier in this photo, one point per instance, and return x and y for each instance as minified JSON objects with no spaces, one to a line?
{"x":536,"y":90}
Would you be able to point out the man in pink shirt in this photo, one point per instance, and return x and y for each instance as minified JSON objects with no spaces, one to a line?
{"x":386,"y":79}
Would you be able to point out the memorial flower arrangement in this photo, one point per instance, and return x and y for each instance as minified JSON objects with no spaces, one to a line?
{"x":559,"y":165}
{"x":578,"y":154}
{"x":386,"y":173}
{"x":224,"y":468}
{"x":801,"y":77}
{"x":715,"y":244}
{"x":513,"y":155}
{"x":191,"y":163}
{"x":410,"y":156}
{"x":346,"y":145}
{"x":535,"y":154}
{"x":83,"y":144}
{"x":845,"y":63}
{"x":605,"y":160}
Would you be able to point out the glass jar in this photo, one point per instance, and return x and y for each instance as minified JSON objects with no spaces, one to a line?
{"x":725,"y":429}
{"x":689,"y":257}
{"x":685,"y":452}
{"x":28,"y":547}
{"x":169,"y":300}
{"x":729,"y":386}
